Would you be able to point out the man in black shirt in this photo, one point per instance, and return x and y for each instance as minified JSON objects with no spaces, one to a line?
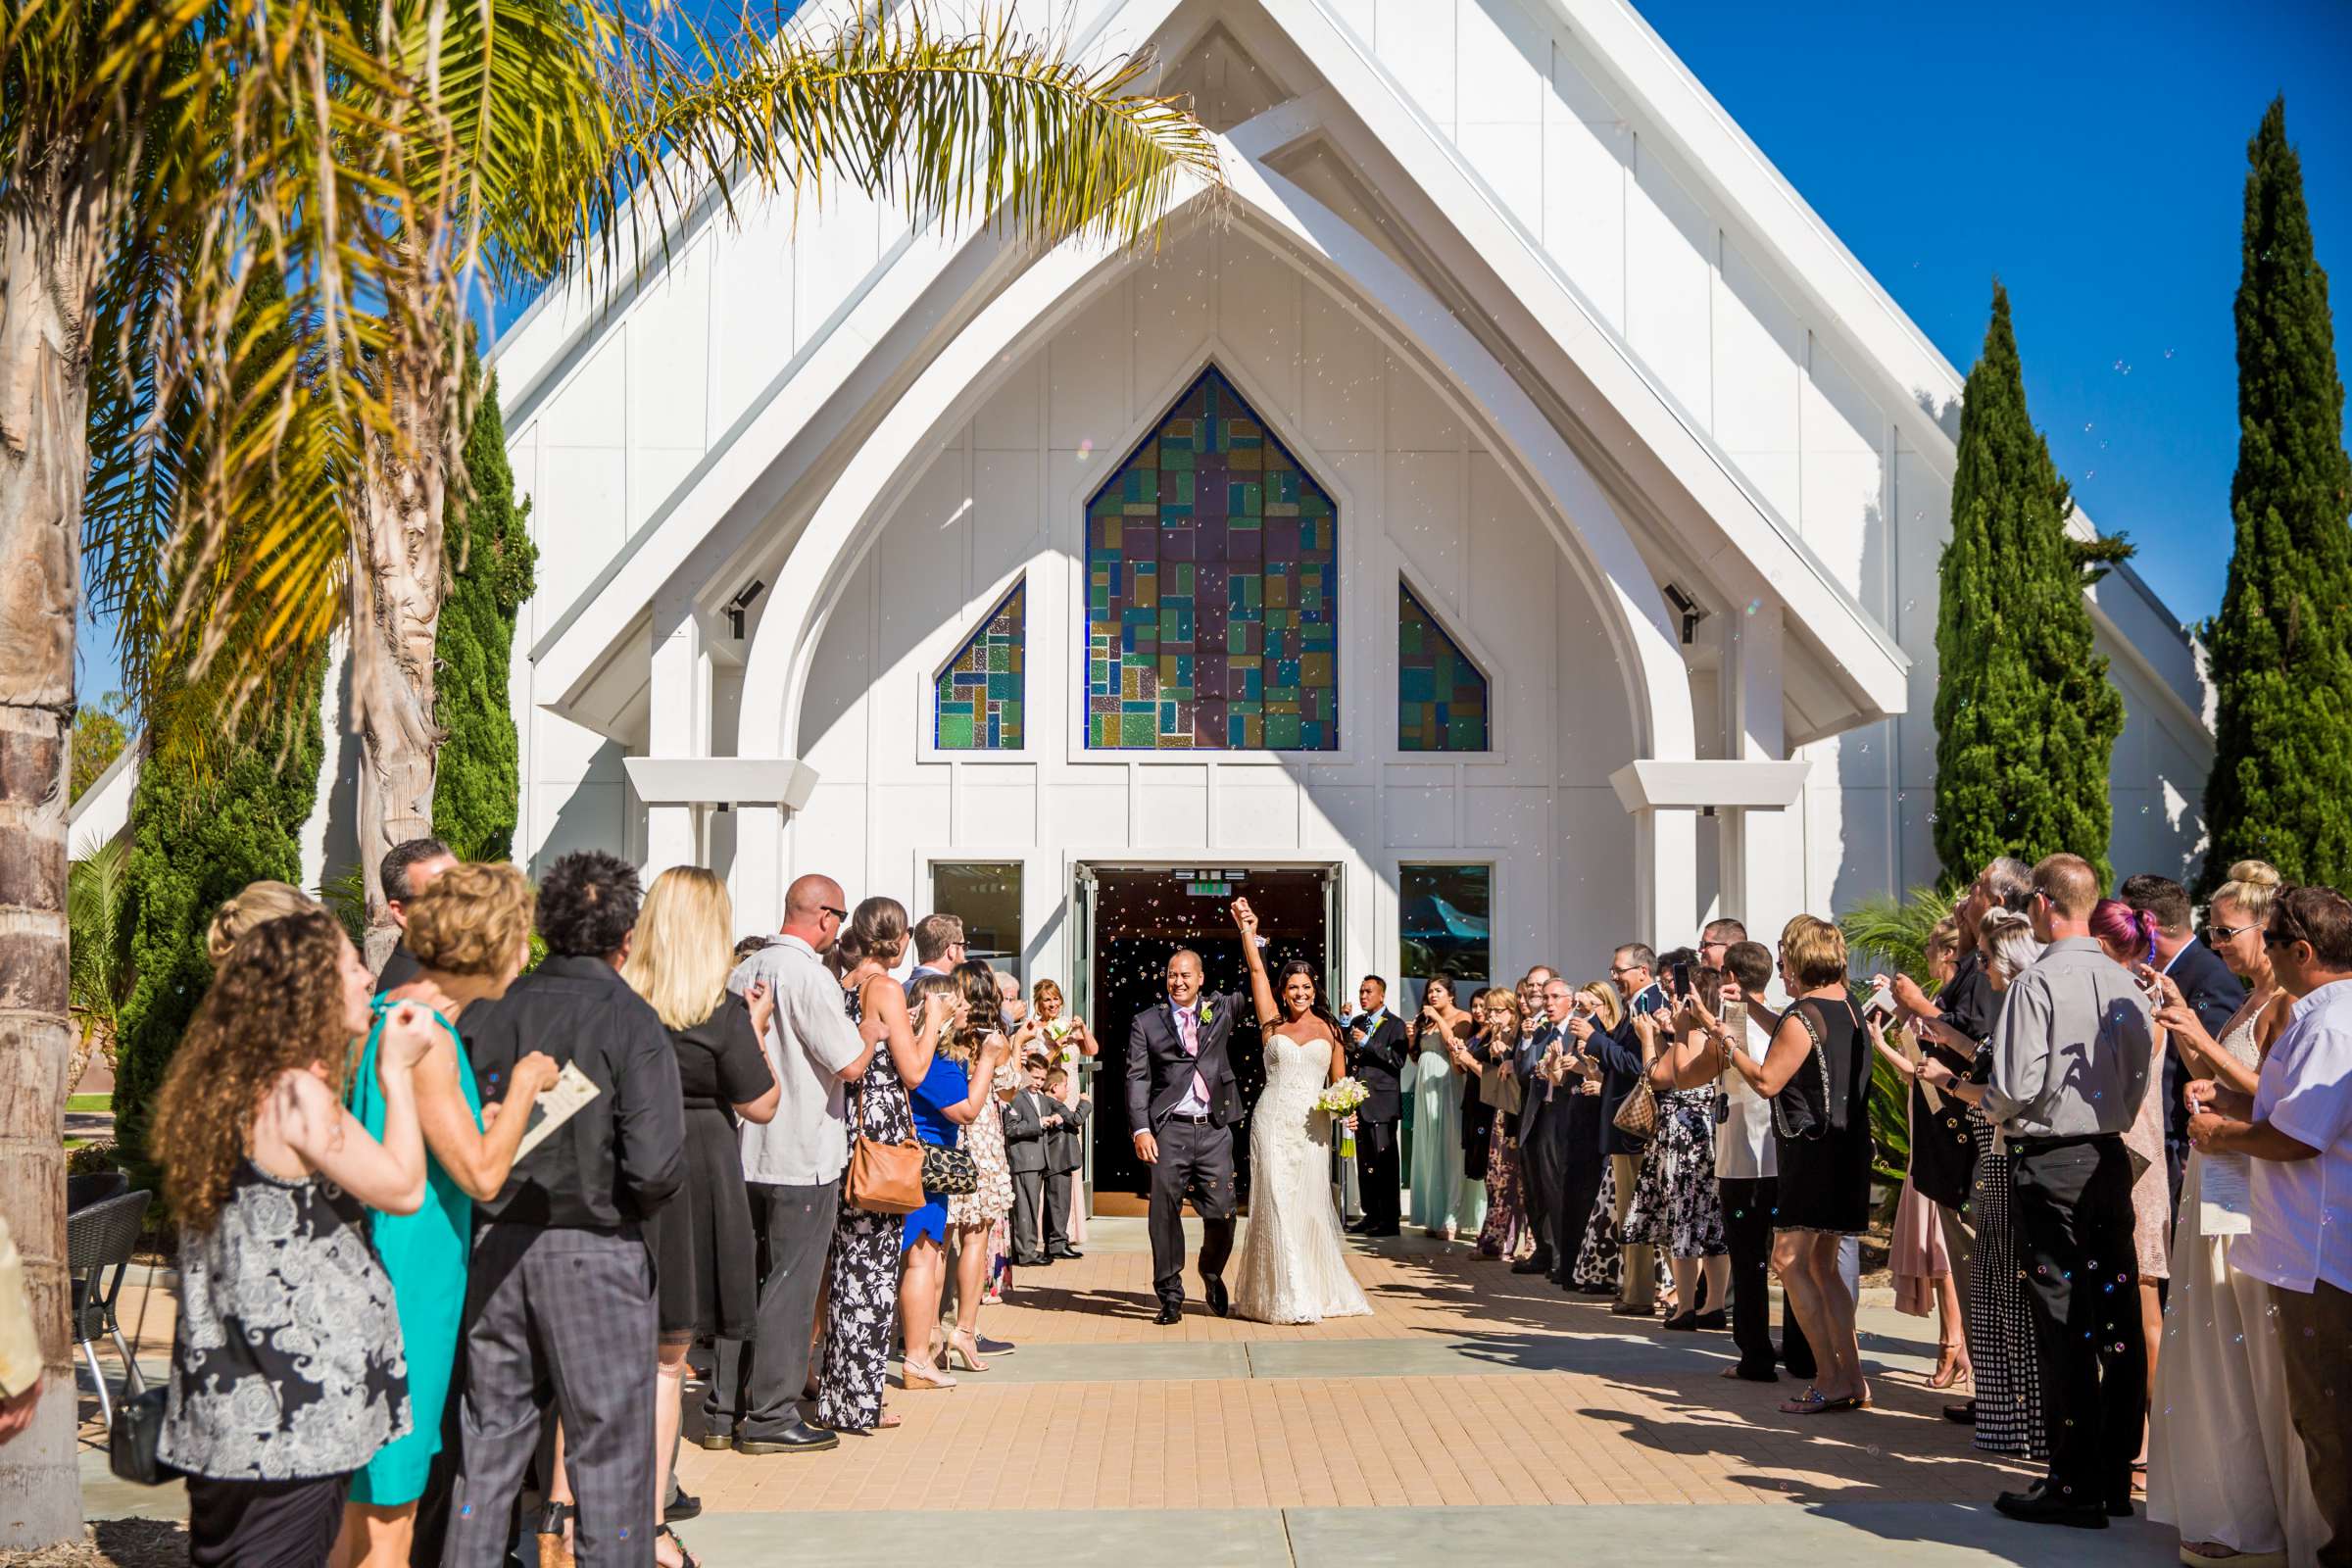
{"x":2206,"y":984}
{"x":408,"y":869}
{"x":560,"y":1292}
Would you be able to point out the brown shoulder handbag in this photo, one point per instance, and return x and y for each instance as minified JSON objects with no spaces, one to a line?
{"x":1637,"y":1113}
{"x":884,"y":1178}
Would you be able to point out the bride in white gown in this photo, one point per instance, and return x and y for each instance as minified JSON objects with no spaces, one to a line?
{"x":1293,"y":1263}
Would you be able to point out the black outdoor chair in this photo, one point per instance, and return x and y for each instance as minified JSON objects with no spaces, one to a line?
{"x":99,"y":1242}
{"x":94,"y":1186}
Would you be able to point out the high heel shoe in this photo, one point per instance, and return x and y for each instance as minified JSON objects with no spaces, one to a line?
{"x":912,"y":1378}
{"x":963,"y":1355}
{"x":1951,"y":1367}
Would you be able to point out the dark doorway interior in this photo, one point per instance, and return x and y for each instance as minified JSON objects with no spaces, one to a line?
{"x":1140,"y":916}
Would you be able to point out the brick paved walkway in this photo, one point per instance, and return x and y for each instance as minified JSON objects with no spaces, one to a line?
{"x":1475,"y":1413}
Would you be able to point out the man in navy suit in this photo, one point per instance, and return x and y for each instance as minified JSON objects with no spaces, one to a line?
{"x":1376,"y":1055}
{"x":2206,"y":984}
{"x":1182,"y":1100}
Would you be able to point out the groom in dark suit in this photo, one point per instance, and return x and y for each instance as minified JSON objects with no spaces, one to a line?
{"x":1182,"y":1100}
{"x":1375,"y":1054}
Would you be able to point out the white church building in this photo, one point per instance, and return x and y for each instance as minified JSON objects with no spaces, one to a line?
{"x":1505,"y":525}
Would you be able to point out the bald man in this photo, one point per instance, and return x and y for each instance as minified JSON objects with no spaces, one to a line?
{"x":793,"y":1166}
{"x":2072,"y":1058}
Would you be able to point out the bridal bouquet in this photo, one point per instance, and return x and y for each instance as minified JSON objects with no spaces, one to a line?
{"x":1340,"y":1100}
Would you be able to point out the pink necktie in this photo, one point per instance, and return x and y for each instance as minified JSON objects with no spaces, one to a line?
{"x":1187,"y":1030}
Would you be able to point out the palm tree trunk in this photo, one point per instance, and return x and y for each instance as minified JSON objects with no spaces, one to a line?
{"x":52,"y":222}
{"x":396,"y":611}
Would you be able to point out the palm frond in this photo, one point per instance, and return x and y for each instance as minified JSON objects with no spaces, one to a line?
{"x":97,"y":913}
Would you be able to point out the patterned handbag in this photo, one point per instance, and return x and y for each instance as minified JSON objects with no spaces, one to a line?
{"x":952,"y":1171}
{"x":1637,"y":1113}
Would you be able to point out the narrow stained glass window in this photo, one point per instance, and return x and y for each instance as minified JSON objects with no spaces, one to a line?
{"x":1441,"y":692}
{"x":1213,"y":615}
{"x":979,"y":704}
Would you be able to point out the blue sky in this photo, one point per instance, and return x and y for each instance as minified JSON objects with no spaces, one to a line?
{"x":2092,"y":154}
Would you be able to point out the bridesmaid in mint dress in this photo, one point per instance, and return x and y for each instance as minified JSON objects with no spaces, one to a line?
{"x":470,"y":930}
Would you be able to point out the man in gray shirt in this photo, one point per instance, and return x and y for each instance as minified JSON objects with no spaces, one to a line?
{"x":2071,"y":1059}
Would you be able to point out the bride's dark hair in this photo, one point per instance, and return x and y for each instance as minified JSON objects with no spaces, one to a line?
{"x":1282,"y":982}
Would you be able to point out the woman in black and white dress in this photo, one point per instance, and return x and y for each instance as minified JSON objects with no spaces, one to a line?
{"x":1999,"y":1320}
{"x":863,"y":1302}
{"x":1677,"y":1205}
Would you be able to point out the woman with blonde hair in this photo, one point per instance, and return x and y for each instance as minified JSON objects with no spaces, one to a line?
{"x":1502,"y":1022}
{"x":1076,"y":1041}
{"x":270,"y":1179}
{"x":254,"y":904}
{"x":469,"y":933}
{"x":680,"y":956}
{"x":2225,"y":1467}
{"x":1816,"y":1072}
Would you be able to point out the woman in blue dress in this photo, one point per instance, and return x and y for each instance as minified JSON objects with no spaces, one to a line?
{"x":471,"y":931}
{"x":957,"y":1090}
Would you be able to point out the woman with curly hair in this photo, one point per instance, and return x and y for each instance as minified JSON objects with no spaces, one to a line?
{"x":469,"y":933}
{"x":954,"y":1091}
{"x":286,"y":1361}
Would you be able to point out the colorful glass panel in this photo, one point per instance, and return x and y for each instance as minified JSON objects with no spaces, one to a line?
{"x":978,"y":702}
{"x":1212,"y":612}
{"x":1440,"y":693}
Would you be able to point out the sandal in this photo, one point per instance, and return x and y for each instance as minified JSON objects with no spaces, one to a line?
{"x":1808,"y":1403}
{"x":686,"y":1559}
{"x":1951,"y":1367}
{"x":555,"y":1544}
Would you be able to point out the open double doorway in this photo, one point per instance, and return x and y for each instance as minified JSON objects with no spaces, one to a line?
{"x":1125,"y":921}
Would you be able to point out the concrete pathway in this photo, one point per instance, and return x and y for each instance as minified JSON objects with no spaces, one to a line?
{"x":1476,"y":1414}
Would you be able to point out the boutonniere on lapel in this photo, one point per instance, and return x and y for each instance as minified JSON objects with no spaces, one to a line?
{"x":1207,"y":1013}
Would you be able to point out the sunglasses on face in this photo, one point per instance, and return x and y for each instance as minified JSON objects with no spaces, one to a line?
{"x":838,"y":914}
{"x":2229,"y":933}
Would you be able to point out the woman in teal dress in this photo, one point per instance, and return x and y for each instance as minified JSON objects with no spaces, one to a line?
{"x":1445,"y":1202}
{"x":471,"y":931}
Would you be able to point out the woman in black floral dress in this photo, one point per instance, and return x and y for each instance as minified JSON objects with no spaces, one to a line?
{"x":863,"y":1301}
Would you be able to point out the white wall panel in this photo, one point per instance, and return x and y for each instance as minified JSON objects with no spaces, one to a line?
{"x":1670,"y":252}
{"x":1344,"y":370}
{"x":1417,"y":42}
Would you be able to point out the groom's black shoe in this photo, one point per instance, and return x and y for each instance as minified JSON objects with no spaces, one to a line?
{"x":1533,"y":1264}
{"x":1169,"y":1313}
{"x":1214,"y":1290}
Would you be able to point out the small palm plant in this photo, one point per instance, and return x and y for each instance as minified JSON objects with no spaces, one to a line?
{"x":1889,"y":936}
{"x":98,"y":922}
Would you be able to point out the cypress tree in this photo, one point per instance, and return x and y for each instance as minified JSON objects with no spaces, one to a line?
{"x":195,"y":839}
{"x":477,"y":787}
{"x":2025,"y":721}
{"x":2282,"y":784}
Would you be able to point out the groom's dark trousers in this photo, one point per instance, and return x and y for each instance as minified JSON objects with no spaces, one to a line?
{"x":1195,"y":1161}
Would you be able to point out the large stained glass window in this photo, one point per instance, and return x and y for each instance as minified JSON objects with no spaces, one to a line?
{"x":977,"y":706}
{"x":1213,"y":615}
{"x":1441,"y":692}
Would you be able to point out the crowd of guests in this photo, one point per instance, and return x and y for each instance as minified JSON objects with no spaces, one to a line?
{"x":2130,"y":1160}
{"x":2128,"y":1199}
{"x":425,"y":1211}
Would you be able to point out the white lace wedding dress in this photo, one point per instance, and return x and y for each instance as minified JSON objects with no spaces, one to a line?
{"x":1294,"y":1264}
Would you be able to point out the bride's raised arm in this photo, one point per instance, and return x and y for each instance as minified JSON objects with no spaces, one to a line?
{"x":1261,"y":990}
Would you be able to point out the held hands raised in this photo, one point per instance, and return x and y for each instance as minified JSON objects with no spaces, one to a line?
{"x":1244,"y":919}
{"x":407,"y":1035}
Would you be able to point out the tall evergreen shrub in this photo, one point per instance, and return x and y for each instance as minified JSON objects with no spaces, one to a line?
{"x":2025,"y":721}
{"x":2281,"y":650}
{"x":476,"y":792}
{"x":196,"y":840}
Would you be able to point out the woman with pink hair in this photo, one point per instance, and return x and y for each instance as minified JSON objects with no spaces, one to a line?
{"x":2128,"y":936}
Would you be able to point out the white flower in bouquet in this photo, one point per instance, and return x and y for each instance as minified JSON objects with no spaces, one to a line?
{"x":1342,"y":1097}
